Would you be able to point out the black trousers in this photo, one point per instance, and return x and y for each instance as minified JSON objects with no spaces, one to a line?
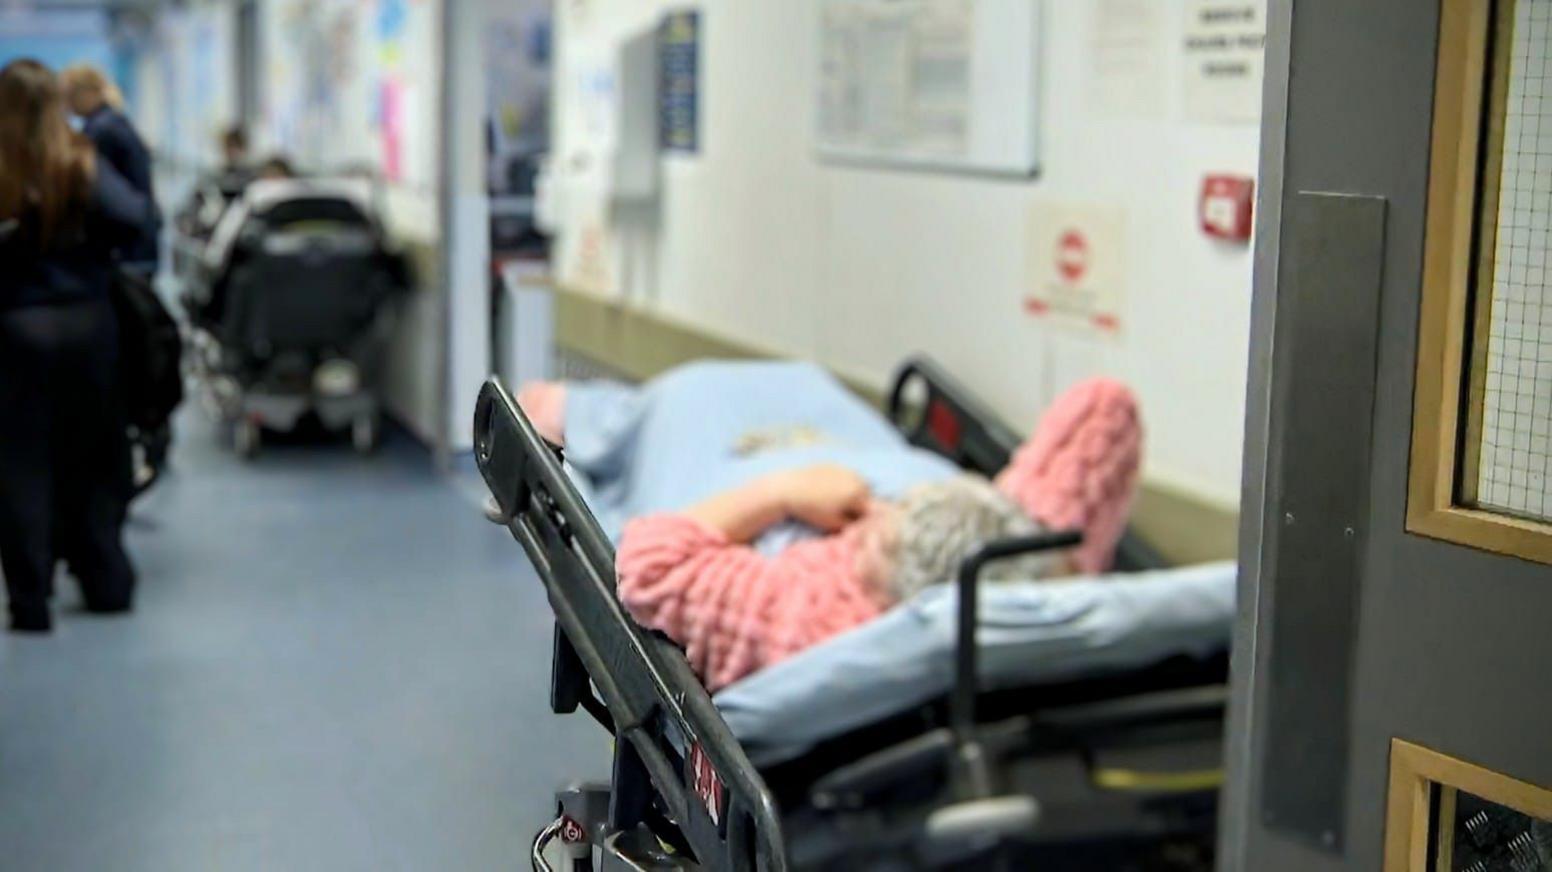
{"x":64,"y":457}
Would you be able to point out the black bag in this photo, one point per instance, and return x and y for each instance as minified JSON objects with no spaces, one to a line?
{"x":150,"y":353}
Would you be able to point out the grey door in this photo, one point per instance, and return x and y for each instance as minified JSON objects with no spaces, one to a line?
{"x":1355,"y":632}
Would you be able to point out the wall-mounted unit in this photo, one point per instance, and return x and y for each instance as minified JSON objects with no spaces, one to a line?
{"x":633,"y":160}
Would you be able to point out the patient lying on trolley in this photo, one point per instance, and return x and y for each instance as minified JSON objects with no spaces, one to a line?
{"x":697,"y":575}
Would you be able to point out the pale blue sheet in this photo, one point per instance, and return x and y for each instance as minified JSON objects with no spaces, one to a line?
{"x":683,"y":437}
{"x":1030,"y":632}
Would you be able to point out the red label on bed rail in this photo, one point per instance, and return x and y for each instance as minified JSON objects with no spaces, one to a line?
{"x":571,"y":832}
{"x":943,"y":424}
{"x":708,"y":786}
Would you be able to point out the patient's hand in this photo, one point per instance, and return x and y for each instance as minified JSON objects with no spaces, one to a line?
{"x":826,"y":496}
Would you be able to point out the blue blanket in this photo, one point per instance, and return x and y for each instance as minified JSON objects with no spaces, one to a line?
{"x":707,"y":427}
{"x":1030,"y":633}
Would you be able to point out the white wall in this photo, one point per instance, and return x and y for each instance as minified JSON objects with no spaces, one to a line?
{"x":187,"y":82}
{"x":58,"y":37}
{"x":858,"y":267}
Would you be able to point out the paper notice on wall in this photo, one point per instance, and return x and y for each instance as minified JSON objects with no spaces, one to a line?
{"x":1225,"y":41}
{"x":591,"y":264}
{"x":895,"y":75}
{"x":1077,"y":267}
{"x":678,"y":81}
{"x":1126,"y":58}
{"x":940,"y":76}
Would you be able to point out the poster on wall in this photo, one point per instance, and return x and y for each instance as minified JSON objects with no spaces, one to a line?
{"x":949,"y":85}
{"x":896,"y":76}
{"x":388,"y":34}
{"x":350,"y":95}
{"x":518,"y":80}
{"x":1225,"y":44}
{"x":1077,"y":267}
{"x":311,"y":89}
{"x":678,"y":83}
{"x":590,"y":265}
{"x":1127,"y":47}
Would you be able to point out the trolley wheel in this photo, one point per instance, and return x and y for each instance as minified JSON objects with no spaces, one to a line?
{"x":246,"y":438}
{"x":364,"y":433}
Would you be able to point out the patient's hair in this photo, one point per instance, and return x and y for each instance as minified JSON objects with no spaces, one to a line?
{"x":936,"y":526}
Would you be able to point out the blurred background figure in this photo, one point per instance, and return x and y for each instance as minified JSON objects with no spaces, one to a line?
{"x":211,"y":193}
{"x":234,"y":149}
{"x":236,"y":169}
{"x":65,"y":212}
{"x":94,"y":98}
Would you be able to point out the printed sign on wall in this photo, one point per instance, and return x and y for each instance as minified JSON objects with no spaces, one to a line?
{"x":1127,"y":50}
{"x":678,"y":84}
{"x":1077,"y":267}
{"x":1225,"y":44}
{"x":590,"y":264}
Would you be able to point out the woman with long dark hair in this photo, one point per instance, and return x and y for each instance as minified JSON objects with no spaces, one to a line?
{"x":64,"y":455}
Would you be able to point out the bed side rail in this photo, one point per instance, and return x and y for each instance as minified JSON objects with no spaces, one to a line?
{"x":945,"y":417}
{"x":672,"y":743}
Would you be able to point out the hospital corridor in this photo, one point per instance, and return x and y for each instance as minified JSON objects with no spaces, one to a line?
{"x":819,"y":435}
{"x":302,"y":687}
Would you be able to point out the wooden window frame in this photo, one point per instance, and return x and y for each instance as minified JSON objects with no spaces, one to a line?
{"x":1442,"y":436}
{"x":1414,"y":772}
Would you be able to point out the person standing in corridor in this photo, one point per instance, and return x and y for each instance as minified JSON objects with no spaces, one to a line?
{"x":64,"y":451}
{"x":97,"y":102}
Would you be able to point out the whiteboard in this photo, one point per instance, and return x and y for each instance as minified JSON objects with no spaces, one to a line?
{"x":949,"y":85}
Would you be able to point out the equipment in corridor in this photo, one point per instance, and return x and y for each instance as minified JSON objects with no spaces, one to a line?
{"x":196,"y":221}
{"x":150,"y":367}
{"x":291,"y":310}
{"x":1113,"y":764}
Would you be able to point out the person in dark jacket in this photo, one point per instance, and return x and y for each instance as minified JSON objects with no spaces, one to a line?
{"x":64,"y":464}
{"x":95,"y":99}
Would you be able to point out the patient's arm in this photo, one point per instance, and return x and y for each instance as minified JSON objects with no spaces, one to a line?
{"x":743,"y":513}
{"x":692,"y":575}
{"x":827,"y":497}
{"x":689,"y":581}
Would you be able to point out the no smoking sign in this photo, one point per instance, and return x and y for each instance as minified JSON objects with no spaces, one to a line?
{"x":1076,"y":267}
{"x":1072,"y":256}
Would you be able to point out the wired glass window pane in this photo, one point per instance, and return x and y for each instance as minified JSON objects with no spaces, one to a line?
{"x":1479,"y":835}
{"x":1512,"y":380}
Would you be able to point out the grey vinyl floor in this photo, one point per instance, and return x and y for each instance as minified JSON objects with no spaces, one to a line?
{"x":335,"y":664}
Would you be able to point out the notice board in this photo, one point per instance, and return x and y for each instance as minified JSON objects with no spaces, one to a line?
{"x":949,"y":85}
